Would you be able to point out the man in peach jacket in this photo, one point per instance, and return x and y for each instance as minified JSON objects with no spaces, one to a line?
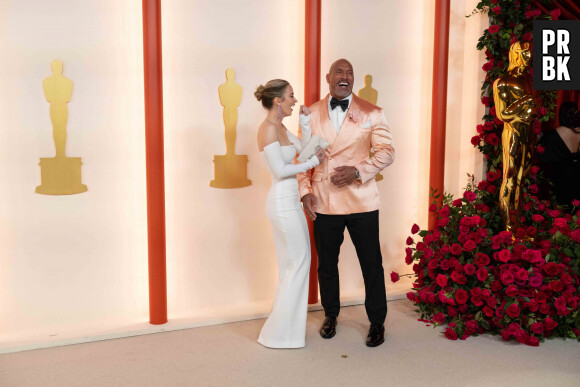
{"x":341,"y":192}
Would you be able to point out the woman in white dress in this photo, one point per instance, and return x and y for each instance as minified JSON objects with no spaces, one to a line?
{"x":286,"y":326}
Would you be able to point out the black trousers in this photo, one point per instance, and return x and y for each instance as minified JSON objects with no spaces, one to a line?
{"x":364,"y":232}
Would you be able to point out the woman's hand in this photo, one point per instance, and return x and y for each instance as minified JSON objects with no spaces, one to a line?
{"x":321,"y":155}
{"x":304,"y":110}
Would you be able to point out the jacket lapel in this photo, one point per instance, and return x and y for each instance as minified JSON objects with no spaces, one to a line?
{"x":349,"y":126}
{"x":328,"y":132}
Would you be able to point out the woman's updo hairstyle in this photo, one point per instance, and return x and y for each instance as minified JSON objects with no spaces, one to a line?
{"x":569,"y":115}
{"x":272,"y":89}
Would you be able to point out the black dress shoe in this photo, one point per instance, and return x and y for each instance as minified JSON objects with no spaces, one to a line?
{"x":376,"y":335}
{"x":328,"y":328}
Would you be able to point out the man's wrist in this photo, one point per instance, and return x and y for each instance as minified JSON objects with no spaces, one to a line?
{"x":357,"y":174}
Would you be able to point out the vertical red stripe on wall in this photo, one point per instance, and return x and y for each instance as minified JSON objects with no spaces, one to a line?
{"x":311,"y":95}
{"x":439,"y":103}
{"x":154,"y":160}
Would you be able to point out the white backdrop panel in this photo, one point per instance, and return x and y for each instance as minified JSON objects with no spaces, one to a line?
{"x":77,"y":260}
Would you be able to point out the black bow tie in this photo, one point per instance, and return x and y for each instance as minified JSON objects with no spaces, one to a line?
{"x":342,"y":103}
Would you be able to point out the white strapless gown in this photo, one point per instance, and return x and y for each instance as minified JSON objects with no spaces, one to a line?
{"x":286,"y":326}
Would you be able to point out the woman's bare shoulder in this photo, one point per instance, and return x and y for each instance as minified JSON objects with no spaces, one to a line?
{"x":267,"y":134}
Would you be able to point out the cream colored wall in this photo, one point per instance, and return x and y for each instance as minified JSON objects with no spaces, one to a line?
{"x":71,"y":262}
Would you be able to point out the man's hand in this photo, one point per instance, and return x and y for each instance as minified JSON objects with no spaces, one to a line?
{"x":309,"y":202}
{"x":304,"y":110}
{"x":344,"y":176}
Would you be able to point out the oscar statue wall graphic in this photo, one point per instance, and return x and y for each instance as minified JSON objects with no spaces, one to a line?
{"x":230,"y":170}
{"x":369,"y":94}
{"x":59,"y":175}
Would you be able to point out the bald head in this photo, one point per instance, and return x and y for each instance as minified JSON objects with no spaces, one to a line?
{"x":340,"y":79}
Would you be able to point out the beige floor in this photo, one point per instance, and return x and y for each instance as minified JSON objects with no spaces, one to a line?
{"x":227,"y":355}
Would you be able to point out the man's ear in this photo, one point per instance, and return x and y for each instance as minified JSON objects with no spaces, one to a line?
{"x":327,"y":78}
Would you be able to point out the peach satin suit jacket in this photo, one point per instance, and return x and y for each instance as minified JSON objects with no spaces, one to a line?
{"x":364,"y":128}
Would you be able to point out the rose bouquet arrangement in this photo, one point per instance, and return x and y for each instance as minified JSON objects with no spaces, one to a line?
{"x":477,"y":278}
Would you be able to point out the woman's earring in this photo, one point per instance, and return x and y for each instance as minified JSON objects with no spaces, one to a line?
{"x":279,"y":112}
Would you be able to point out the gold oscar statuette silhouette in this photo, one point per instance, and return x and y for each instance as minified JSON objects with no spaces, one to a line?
{"x":371,"y":95}
{"x":516,"y":106}
{"x":230,"y":170}
{"x":59,"y":175}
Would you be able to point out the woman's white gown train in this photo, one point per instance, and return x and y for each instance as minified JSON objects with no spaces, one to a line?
{"x":286,"y":326}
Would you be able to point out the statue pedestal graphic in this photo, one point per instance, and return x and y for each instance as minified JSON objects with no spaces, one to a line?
{"x":60,"y":176}
{"x":369,"y":94}
{"x":230,"y":171}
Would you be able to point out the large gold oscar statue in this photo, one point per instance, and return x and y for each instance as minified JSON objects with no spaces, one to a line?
{"x":369,"y":94}
{"x":59,"y":175}
{"x":230,"y":170}
{"x":516,"y":106}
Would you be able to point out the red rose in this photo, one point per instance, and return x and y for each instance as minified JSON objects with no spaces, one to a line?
{"x":458,"y":278}
{"x":507,"y":277}
{"x":505,"y":335}
{"x":441,"y":280}
{"x":496,"y":10}
{"x":527,"y":37}
{"x":537,"y":218}
{"x":541,"y":297}
{"x":456,"y":249}
{"x":513,"y":328}
{"x":496,"y":286}
{"x":522,"y":275}
{"x":575,"y":235}
{"x":475,"y":140}
{"x":457,"y":203}
{"x":513,"y":311}
{"x":540,"y":149}
{"x":537,"y":328}
{"x":521,"y":336}
{"x":491,"y":189}
{"x":493,"y":28}
{"x":481,"y":259}
{"x":439,"y":318}
{"x":555,"y":13}
{"x":492,"y":139}
{"x":409,"y":241}
{"x":560,"y":222}
{"x":504,"y":255}
{"x":411,"y":296}
{"x":461,"y":296}
{"x":450,"y":334}
{"x":482,"y":274}
{"x":487,"y":311}
{"x":566,"y":279}
{"x":470,"y":269}
{"x":492,"y":176}
{"x":470,"y":196}
{"x":415,"y":229}
{"x":533,"y":306}
{"x":533,"y":341}
{"x":475,"y":292}
{"x":394,"y":276}
{"x":469,"y":245}
{"x":551,"y":269}
{"x":557,"y":286}
{"x":550,"y":324}
{"x":471,"y":326}
{"x":511,"y":291}
{"x":534,"y":188}
{"x":451,"y":311}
